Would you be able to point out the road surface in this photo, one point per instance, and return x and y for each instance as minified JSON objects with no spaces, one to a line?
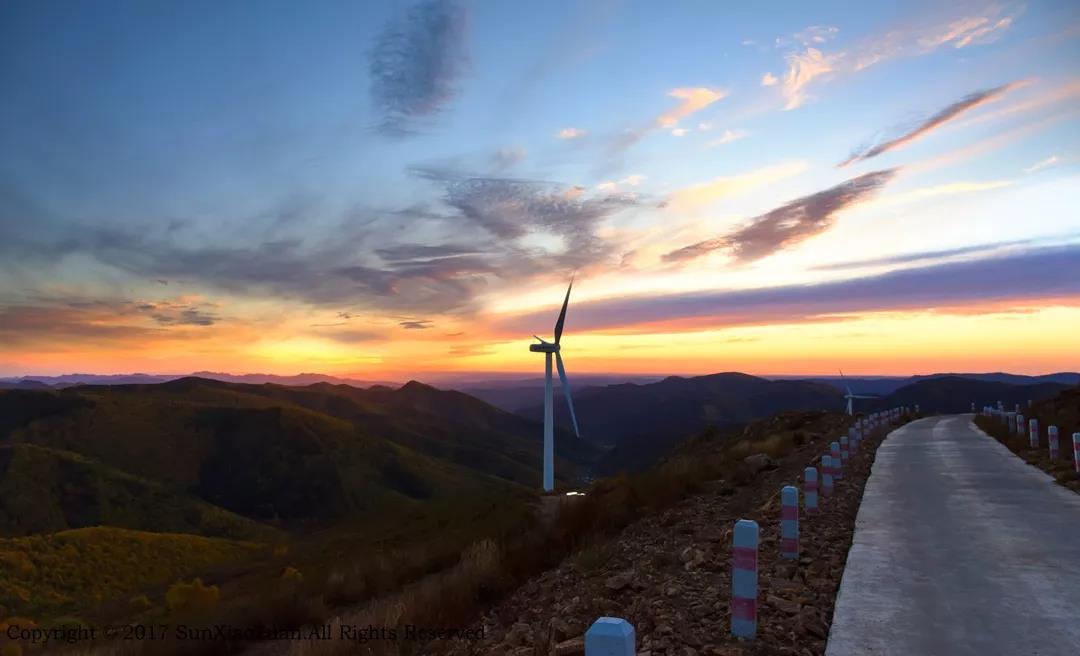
{"x":960,"y":548}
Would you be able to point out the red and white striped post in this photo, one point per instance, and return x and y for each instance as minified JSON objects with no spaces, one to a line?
{"x":1033,"y":433}
{"x":1055,"y":448}
{"x":1076,"y":452}
{"x":826,"y":475}
{"x":810,"y":490}
{"x":837,"y":461}
{"x":744,"y":570}
{"x":845,"y":449}
{"x":789,"y":521}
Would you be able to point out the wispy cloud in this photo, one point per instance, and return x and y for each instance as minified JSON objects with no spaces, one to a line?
{"x":810,"y":36}
{"x":788,"y":224}
{"x":571,"y":133}
{"x":920,"y":257}
{"x":811,"y":63}
{"x":769,"y":80}
{"x":939,"y":118}
{"x":946,"y":189}
{"x":416,"y":324}
{"x":1053,"y":160}
{"x":506,"y":158}
{"x":804,"y":68}
{"x":416,"y":63}
{"x":693,"y":99}
{"x":700,"y":195}
{"x":727,"y":137}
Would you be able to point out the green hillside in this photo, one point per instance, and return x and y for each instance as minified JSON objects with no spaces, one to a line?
{"x":43,"y":490}
{"x":44,"y":575}
{"x":267,"y":452}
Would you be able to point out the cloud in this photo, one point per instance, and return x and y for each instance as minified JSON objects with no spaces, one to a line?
{"x":965,"y":32}
{"x":694,"y":99}
{"x":511,"y":209}
{"x":506,"y":158}
{"x":611,"y":186}
{"x":924,"y":256}
{"x":788,"y":224}
{"x":700,"y":195}
{"x":812,"y":35}
{"x":727,"y":137}
{"x":769,"y":80}
{"x":811,"y":63}
{"x":415,"y":324}
{"x":1043,"y":164}
{"x":1028,"y":276}
{"x":803,"y":68}
{"x":678,"y":132}
{"x":967,"y":103}
{"x":176,"y":314}
{"x":947,"y":189}
{"x":416,"y":63}
{"x":67,"y":318}
{"x":421,"y":260}
{"x":571,"y":133}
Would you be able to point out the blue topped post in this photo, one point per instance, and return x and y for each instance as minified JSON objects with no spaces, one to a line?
{"x":789,"y":521}
{"x":610,"y":636}
{"x":744,"y":579}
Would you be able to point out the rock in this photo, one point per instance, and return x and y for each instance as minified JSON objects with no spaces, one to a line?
{"x":759,"y":462}
{"x":783,"y":605}
{"x":571,"y":647}
{"x":617,"y":582}
{"x":562,"y":630}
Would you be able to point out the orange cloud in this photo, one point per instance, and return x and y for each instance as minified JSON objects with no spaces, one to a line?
{"x":694,"y":99}
{"x":700,"y":195}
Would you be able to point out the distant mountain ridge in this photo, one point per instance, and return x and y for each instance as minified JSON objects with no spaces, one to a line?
{"x":68,"y":380}
{"x":215,"y":450}
{"x":885,"y":385}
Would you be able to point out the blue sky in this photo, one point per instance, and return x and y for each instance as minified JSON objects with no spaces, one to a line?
{"x":221,"y":165}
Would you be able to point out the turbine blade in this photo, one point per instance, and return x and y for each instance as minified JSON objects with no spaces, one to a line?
{"x":566,"y":391}
{"x":562,"y":314}
{"x":540,"y":340}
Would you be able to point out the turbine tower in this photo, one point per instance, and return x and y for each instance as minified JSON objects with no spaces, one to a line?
{"x":548,"y":348}
{"x":851,"y":397}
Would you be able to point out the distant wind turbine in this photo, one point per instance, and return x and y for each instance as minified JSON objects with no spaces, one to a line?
{"x":547,"y":348}
{"x":851,"y":397}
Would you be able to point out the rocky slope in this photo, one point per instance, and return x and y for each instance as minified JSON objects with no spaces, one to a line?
{"x":670,"y":575}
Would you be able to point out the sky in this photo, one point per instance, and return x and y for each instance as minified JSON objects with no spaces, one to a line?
{"x":386,"y":190}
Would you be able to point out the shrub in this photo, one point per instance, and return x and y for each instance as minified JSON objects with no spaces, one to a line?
{"x":191,"y":597}
{"x":292,"y":575}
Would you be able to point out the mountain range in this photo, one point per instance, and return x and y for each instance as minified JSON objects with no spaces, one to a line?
{"x":231,"y":459}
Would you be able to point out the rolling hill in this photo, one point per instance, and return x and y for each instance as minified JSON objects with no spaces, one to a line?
{"x":955,"y":394}
{"x":267,"y":453}
{"x":656,"y":415}
{"x":43,"y":491}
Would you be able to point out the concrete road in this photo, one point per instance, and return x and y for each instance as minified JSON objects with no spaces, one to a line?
{"x":960,"y":548}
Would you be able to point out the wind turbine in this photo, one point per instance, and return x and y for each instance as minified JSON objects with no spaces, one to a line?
{"x":851,"y":397}
{"x":547,"y":348}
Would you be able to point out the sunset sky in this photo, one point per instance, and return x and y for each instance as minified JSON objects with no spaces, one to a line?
{"x":387,"y":190}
